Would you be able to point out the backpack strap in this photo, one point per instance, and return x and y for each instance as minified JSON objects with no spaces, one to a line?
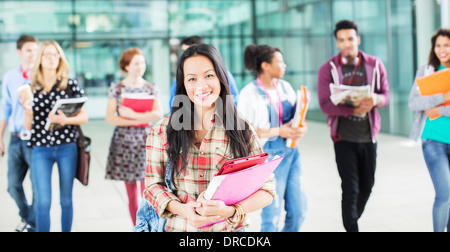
{"x":119,"y":89}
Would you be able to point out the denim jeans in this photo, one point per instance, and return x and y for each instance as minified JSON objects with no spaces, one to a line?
{"x":19,"y":162}
{"x":288,"y":188}
{"x":66,"y":157}
{"x":437,"y":158}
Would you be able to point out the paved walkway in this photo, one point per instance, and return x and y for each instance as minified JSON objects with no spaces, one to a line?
{"x":401,"y":201}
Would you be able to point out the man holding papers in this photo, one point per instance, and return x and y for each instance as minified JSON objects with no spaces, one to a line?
{"x":355,"y":125}
{"x":434,"y":133}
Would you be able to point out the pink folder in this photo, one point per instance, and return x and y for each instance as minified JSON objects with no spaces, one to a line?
{"x":240,"y":185}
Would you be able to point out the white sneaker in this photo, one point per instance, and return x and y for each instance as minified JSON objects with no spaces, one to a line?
{"x":21,"y":226}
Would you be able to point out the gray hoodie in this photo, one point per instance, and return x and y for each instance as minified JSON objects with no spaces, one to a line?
{"x":420,"y":103}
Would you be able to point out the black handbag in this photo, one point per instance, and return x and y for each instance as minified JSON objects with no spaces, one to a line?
{"x":84,"y":157}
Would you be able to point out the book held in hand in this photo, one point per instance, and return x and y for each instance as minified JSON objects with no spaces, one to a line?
{"x":235,"y":187}
{"x":138,"y":102}
{"x":348,"y":95}
{"x":70,"y":107}
{"x":303,"y":99}
{"x":436,"y":83}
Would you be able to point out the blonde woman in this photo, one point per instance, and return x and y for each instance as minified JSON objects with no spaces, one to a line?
{"x":49,"y":83}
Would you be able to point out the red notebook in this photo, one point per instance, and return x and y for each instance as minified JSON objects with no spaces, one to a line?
{"x":239,"y":164}
{"x":139,"y":102}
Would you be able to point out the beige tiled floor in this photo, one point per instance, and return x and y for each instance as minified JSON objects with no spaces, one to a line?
{"x":401,"y":200}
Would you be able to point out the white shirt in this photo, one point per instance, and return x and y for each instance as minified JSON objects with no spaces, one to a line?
{"x":253,"y":107}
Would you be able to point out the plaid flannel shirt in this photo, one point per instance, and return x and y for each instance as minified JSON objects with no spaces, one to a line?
{"x":203,"y":163}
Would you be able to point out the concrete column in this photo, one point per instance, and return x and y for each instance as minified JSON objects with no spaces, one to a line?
{"x":445,"y":10}
{"x":425,"y":28}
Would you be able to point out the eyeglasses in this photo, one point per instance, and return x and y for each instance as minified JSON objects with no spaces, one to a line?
{"x":52,"y":55}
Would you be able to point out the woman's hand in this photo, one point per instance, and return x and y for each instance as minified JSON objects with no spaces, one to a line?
{"x":432,"y":112}
{"x":299,"y":133}
{"x":59,"y":118}
{"x":447,"y":96}
{"x":127,"y":112}
{"x":213,"y":208}
{"x":286,"y":131}
{"x":189,"y":212}
{"x":197,"y":220}
{"x":136,"y":117}
{"x":26,"y":104}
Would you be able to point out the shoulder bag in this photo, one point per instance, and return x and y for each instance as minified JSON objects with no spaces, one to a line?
{"x":84,"y":152}
{"x":84,"y":157}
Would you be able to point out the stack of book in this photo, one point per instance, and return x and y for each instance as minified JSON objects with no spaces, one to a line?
{"x":303,"y":99}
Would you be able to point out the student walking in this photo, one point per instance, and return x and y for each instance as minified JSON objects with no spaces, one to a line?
{"x":186,"y":43}
{"x":354,"y":128}
{"x":126,"y":159}
{"x":196,"y":139}
{"x":19,"y":156}
{"x":269,"y":105}
{"x":435,"y":134}
{"x":50,"y":82}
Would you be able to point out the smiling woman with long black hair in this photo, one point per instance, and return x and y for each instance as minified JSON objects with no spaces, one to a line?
{"x":197,"y":138}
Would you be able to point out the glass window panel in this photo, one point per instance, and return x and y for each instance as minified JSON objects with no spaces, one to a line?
{"x":35,"y":17}
{"x":94,"y":34}
{"x":210,"y":18}
{"x":126,"y":19}
{"x":342,"y":9}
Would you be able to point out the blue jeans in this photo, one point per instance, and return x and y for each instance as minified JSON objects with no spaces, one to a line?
{"x":66,"y":157}
{"x":437,"y":158}
{"x":288,"y":188}
{"x":19,"y":162}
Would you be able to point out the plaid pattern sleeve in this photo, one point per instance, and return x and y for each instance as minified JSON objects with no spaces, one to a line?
{"x":156,"y":190}
{"x":205,"y":159}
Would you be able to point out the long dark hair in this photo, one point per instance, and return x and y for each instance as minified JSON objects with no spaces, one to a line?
{"x":180,"y":140}
{"x":433,"y":60}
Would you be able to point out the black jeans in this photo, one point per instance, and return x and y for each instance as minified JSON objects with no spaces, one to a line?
{"x":356,"y":164}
